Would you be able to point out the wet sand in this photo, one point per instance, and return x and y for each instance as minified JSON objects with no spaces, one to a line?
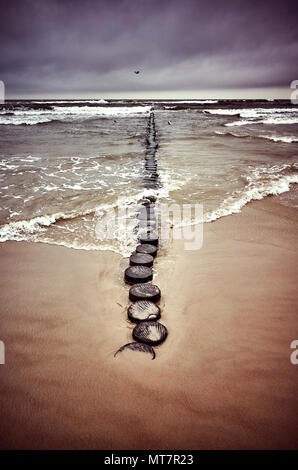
{"x":222,"y":380}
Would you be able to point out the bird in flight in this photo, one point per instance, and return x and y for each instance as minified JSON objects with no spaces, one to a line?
{"x":137,"y":72}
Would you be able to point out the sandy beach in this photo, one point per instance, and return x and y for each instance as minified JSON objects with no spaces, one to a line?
{"x":222,"y":380}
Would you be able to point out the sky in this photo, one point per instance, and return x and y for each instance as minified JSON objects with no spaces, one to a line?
{"x":182,"y":48}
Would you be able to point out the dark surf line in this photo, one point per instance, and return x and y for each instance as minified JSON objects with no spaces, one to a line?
{"x":140,"y":274}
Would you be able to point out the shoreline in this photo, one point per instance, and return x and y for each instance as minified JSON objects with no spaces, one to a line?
{"x":223,"y":378}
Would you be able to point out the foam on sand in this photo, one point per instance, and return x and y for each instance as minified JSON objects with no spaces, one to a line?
{"x":261,"y":182}
{"x":124,"y":237}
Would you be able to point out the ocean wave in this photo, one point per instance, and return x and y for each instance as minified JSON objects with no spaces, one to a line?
{"x":99,"y":101}
{"x":223,"y":112}
{"x":241,"y":123}
{"x":19,"y":230}
{"x":251,"y":112}
{"x":40,"y":228}
{"x":261,"y":182}
{"x":35,"y":229}
{"x":177,"y":102}
{"x":70,"y":114}
{"x":258,"y":115}
{"x":271,"y":120}
{"x":194,"y":102}
{"x":282,"y":138}
{"x":280,"y":120}
{"x":231,"y":134}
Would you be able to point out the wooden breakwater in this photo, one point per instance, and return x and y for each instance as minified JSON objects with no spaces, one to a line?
{"x":145,"y":296}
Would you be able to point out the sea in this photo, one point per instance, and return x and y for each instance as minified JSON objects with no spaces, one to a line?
{"x":65,"y":164}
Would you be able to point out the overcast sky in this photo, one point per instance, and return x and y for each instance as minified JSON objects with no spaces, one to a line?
{"x":181,"y":47}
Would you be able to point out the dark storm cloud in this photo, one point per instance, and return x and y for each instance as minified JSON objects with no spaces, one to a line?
{"x":94,"y":46}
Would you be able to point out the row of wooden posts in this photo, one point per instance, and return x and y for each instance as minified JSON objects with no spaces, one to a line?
{"x":145,"y":296}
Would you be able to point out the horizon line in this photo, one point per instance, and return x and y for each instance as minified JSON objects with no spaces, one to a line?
{"x":215,"y":94}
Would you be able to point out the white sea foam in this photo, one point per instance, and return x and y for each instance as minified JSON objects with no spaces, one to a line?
{"x":124,"y":238}
{"x":258,"y":115}
{"x":240,"y":123}
{"x":230,"y":134}
{"x":251,"y":112}
{"x":281,"y":120}
{"x":102,"y":110}
{"x":71,"y":113}
{"x":261,"y":182}
{"x":177,"y":102}
{"x":99,"y":101}
{"x":271,"y":120}
{"x":282,"y":138}
{"x":20,"y":229}
{"x":229,"y":112}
